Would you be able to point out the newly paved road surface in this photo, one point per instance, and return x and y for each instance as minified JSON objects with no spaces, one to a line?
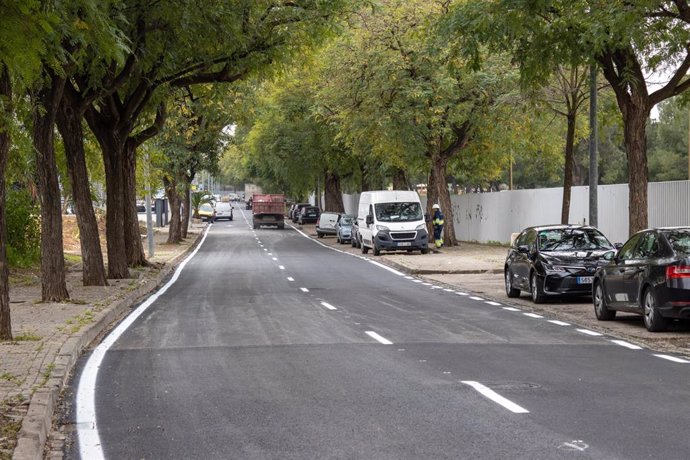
{"x":270,"y":345}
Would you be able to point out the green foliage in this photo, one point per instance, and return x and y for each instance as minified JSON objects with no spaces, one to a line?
{"x":23,"y":228}
{"x":199,"y":198}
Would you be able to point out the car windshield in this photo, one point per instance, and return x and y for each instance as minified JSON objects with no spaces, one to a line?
{"x":572,"y":239}
{"x":206,"y":207}
{"x":345,"y":221}
{"x":679,"y":239}
{"x":398,"y":212}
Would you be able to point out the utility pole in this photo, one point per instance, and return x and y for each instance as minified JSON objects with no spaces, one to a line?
{"x":593,"y":140}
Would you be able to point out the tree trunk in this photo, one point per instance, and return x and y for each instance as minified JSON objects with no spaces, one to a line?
{"x":7,"y":112}
{"x":186,"y":206}
{"x":399,"y":180}
{"x":111,"y":147}
{"x":53,"y":284}
{"x":634,"y":124}
{"x":69,"y":124}
{"x":135,"y":248}
{"x":174,"y":229}
{"x":437,"y":193}
{"x":334,"y":194}
{"x":568,"y":169}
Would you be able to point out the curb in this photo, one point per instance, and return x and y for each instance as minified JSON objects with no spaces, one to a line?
{"x":38,"y":421}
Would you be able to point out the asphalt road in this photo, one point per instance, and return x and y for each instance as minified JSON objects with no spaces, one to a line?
{"x":270,"y":345}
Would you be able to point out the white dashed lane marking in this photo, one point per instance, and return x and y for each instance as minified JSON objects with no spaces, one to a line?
{"x":532,"y":315}
{"x":495,"y":397}
{"x":328,"y":305}
{"x":673,"y":359}
{"x":588,"y":332}
{"x":625,"y":344}
{"x":303,"y":289}
{"x":378,"y":338}
{"x":558,"y":323}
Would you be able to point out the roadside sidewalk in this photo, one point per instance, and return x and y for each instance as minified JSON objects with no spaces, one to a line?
{"x":478,"y":268}
{"x":49,"y":339}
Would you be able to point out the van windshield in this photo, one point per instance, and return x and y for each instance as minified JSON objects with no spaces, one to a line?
{"x":398,"y":212}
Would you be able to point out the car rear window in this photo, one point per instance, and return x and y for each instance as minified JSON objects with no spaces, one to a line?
{"x":679,"y":240}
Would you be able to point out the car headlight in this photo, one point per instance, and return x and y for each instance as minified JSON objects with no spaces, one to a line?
{"x":382,"y":228}
{"x":421,"y":227}
{"x":553,"y":268}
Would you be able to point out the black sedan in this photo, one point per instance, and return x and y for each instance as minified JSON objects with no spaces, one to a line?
{"x":650,"y":275}
{"x":555,"y":259}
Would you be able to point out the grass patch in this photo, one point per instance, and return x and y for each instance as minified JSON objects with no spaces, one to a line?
{"x":9,"y":426}
{"x":77,"y":322}
{"x":27,"y":337}
{"x":10,"y":377}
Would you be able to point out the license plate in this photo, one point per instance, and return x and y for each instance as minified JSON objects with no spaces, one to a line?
{"x":585,"y":279}
{"x":405,"y":244}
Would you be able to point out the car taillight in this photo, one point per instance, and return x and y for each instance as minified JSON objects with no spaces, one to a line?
{"x":677,"y":271}
{"x":317,"y":222}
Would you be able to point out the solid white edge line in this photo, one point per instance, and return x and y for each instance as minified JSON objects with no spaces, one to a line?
{"x":328,"y":305}
{"x":392,"y":270}
{"x":588,"y":332}
{"x":558,"y":323}
{"x":495,"y":397}
{"x":87,"y":427}
{"x":673,"y":358}
{"x":378,"y":338}
{"x":625,"y":344}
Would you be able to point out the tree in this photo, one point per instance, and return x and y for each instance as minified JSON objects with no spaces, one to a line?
{"x":178,"y":45}
{"x":625,"y":41}
{"x":411,"y":101}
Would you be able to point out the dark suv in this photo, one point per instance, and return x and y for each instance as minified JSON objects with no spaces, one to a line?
{"x":295,"y":210}
{"x":308,"y":215}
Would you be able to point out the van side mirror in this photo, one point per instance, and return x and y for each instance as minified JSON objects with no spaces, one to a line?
{"x":618,"y":245}
{"x":370,"y":219}
{"x":524,"y":249}
{"x":427,"y":218}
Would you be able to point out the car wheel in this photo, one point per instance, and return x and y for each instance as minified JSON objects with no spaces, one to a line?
{"x":377,"y":251}
{"x":364,"y":249}
{"x":510,"y":290}
{"x":281,"y":226}
{"x":653,"y":320}
{"x":537,"y":289}
{"x":425,"y":250}
{"x":319,"y":234}
{"x":353,"y":243}
{"x":601,"y":310}
{"x":256,"y":226}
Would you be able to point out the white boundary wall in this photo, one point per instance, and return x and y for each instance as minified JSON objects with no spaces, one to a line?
{"x":492,"y":217}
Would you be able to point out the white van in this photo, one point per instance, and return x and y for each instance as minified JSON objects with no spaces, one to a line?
{"x":392,"y":220}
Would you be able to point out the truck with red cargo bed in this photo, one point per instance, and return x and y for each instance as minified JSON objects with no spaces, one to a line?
{"x":268,"y":210}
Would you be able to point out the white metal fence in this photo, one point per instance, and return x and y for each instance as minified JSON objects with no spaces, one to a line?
{"x":493,"y":217}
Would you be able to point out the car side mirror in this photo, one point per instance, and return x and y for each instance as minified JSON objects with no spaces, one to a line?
{"x":618,"y":245}
{"x":427,"y":218}
{"x":524,"y":249}
{"x":370,"y":219}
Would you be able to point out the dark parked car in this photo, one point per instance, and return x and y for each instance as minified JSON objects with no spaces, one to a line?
{"x":294,"y":213}
{"x":308,"y":215}
{"x":343,"y":228}
{"x":555,"y":259}
{"x":649,"y":275}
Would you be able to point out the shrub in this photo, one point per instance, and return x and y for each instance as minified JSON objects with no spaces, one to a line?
{"x":23,"y":228}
